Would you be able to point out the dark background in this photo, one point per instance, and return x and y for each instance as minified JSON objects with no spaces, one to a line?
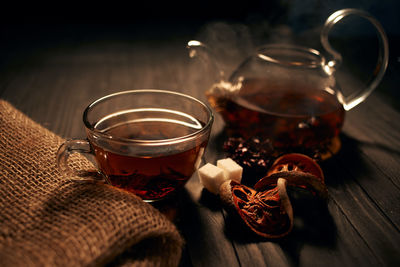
{"x":29,"y":27}
{"x":54,"y":18}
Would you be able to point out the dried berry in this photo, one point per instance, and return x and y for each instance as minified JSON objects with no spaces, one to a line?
{"x":258,"y":153}
{"x":254,"y":155}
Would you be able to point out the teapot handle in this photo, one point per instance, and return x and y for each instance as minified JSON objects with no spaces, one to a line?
{"x":383,"y":58}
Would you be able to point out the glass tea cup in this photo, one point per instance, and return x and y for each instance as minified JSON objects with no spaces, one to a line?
{"x":148,"y":142}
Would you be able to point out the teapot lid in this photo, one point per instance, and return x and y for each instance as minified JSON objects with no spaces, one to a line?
{"x":291,"y":55}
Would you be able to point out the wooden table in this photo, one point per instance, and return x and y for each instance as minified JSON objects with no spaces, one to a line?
{"x":52,"y":75}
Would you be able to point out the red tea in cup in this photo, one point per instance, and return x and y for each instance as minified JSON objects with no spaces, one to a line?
{"x":156,"y":173}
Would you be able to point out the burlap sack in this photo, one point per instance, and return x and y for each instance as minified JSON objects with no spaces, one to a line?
{"x":47,"y":220}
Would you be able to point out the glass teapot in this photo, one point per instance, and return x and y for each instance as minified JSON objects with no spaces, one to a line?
{"x":289,"y":95}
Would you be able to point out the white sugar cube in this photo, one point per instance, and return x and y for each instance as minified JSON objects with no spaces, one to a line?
{"x":232,"y":170}
{"x":211,"y":177}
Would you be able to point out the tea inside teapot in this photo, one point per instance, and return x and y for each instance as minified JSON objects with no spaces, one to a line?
{"x":293,"y":114}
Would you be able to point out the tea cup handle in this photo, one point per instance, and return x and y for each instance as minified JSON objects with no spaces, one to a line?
{"x":383,"y":58}
{"x":70,"y":147}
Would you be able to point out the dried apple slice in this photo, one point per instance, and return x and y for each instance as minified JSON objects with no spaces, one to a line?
{"x":267,"y":213}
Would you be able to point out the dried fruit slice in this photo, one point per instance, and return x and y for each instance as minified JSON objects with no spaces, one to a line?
{"x":296,"y":162}
{"x":299,"y":170}
{"x":298,"y":179}
{"x":267,"y":213}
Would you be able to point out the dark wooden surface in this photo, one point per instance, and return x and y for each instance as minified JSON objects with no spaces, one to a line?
{"x":53,"y":72}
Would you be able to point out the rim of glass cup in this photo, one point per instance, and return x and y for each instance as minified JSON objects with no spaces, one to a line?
{"x":183,"y":138}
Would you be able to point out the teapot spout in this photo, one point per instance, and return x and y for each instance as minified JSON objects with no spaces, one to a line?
{"x":199,"y":50}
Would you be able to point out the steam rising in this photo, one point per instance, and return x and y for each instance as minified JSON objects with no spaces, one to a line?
{"x":232,"y":43}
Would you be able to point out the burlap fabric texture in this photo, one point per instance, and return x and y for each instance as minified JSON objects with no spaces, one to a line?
{"x":47,"y":220}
